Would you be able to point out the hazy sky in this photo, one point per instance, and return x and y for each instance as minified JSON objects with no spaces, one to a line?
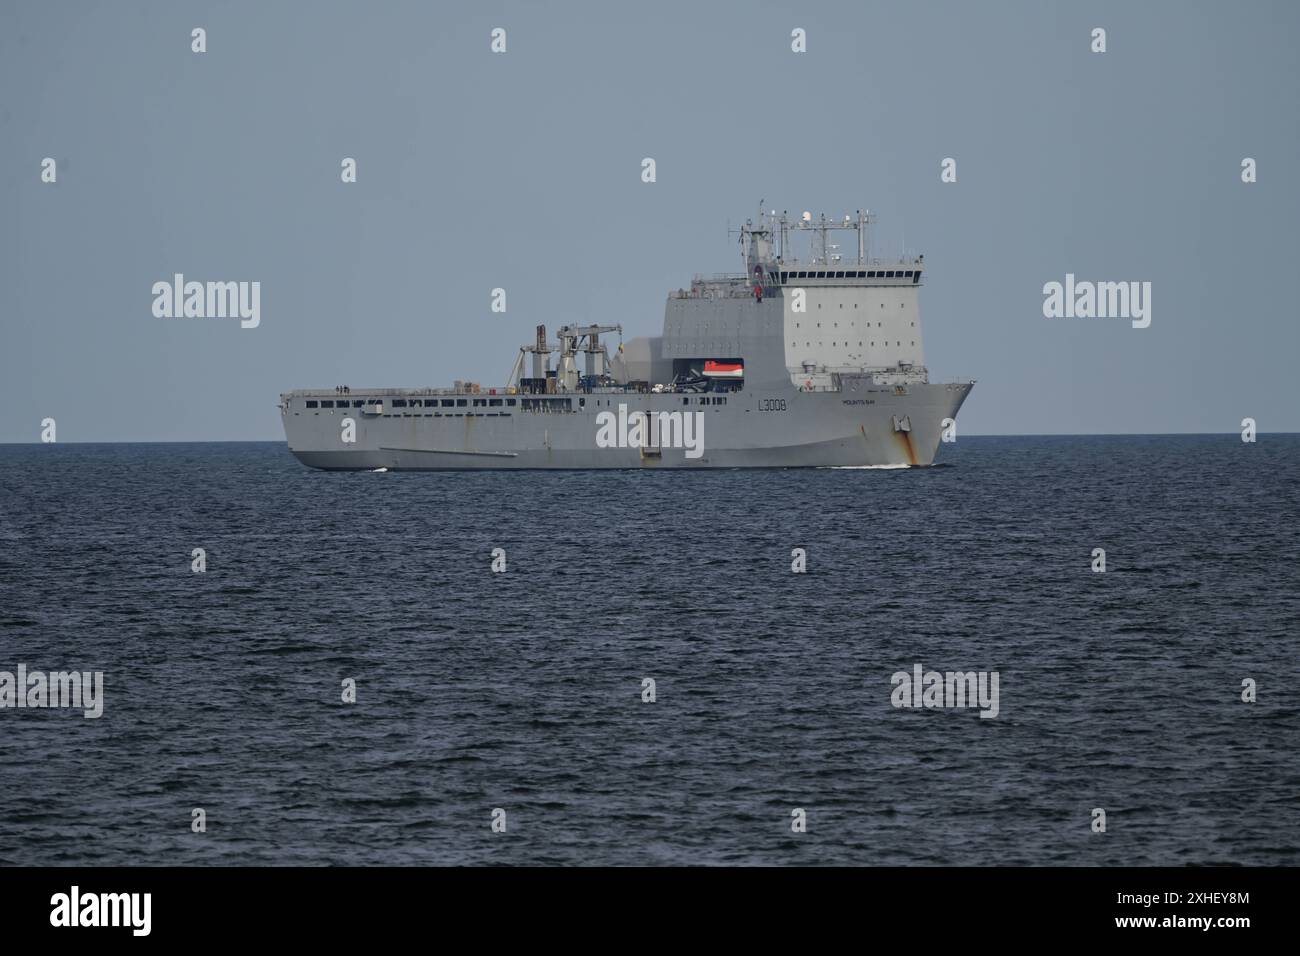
{"x":522,"y":170}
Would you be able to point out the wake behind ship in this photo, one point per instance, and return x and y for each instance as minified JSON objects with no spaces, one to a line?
{"x":812,"y":362}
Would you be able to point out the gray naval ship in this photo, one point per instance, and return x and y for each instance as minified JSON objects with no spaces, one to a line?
{"x":811,"y":361}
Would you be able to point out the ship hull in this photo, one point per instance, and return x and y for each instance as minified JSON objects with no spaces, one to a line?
{"x":856,"y":426}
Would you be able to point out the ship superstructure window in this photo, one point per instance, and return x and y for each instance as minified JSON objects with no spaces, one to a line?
{"x":311,"y":404}
{"x":447,"y":403}
{"x":480,"y":403}
{"x":327,"y":404}
{"x":399,"y":403}
{"x":494,"y":401}
{"x":510,"y":402}
{"x":460,"y":403}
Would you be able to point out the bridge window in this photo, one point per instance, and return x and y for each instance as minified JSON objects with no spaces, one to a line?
{"x":327,"y":404}
{"x":399,"y":403}
{"x":311,"y":404}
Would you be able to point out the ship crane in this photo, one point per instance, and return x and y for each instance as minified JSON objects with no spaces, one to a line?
{"x":586,"y":339}
{"x":573,"y":339}
{"x":541,"y":353}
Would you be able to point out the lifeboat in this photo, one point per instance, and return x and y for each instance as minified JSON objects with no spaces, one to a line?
{"x":714,"y":369}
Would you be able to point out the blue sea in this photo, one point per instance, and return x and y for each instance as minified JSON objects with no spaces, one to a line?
{"x":522,"y":691}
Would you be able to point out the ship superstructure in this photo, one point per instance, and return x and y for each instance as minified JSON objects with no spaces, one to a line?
{"x":800,"y":361}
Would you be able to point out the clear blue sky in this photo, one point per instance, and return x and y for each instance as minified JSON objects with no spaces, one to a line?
{"x":522,"y":171}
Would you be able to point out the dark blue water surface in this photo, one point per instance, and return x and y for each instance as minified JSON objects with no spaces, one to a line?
{"x":523,"y":690}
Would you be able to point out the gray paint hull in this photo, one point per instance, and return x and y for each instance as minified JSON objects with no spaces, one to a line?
{"x":757,"y":428}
